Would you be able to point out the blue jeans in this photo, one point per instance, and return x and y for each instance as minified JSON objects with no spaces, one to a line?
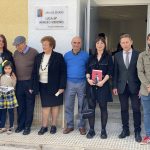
{"x":4,"y":116}
{"x":146,"y":108}
{"x":72,"y":90}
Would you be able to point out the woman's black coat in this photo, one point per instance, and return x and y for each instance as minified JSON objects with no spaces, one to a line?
{"x":106,"y":65}
{"x":56,"y":73}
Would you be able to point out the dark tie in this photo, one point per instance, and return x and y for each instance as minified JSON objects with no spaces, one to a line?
{"x":127,"y":60}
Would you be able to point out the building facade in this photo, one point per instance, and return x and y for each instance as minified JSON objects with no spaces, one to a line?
{"x":64,"y":19}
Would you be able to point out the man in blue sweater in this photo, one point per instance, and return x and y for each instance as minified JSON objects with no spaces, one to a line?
{"x":76,"y":60}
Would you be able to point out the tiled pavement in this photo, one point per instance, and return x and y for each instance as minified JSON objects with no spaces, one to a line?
{"x":14,"y":148}
{"x":75,"y":141}
{"x":72,"y":141}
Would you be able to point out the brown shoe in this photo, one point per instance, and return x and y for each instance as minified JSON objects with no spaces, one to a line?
{"x":67,"y":130}
{"x":82,"y":131}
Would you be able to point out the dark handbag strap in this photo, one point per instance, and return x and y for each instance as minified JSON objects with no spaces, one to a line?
{"x":87,"y":100}
{"x":85,"y":103}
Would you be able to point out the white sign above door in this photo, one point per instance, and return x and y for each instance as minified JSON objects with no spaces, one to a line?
{"x":51,"y":17}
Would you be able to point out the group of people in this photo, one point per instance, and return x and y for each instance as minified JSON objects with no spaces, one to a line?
{"x":15,"y":85}
{"x":50,"y":75}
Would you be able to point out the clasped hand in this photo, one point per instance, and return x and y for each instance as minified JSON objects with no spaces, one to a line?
{"x":148,"y":89}
{"x":91,"y":82}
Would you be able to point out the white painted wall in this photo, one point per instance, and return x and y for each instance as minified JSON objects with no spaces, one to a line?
{"x":63,"y":37}
{"x":76,"y":15}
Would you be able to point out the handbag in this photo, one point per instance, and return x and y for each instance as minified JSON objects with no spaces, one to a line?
{"x":86,"y":111}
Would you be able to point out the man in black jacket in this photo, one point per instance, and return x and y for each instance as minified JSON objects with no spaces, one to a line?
{"x":126,"y":84}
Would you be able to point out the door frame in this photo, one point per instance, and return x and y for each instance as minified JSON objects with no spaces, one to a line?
{"x":106,"y":3}
{"x":87,"y":26}
{"x":148,"y":18}
{"x":119,"y":2}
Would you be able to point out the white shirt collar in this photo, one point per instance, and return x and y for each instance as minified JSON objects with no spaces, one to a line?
{"x":130,"y":51}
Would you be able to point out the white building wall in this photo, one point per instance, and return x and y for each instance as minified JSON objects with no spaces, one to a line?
{"x":63,"y":36}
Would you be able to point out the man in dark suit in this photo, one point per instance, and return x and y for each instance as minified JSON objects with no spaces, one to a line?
{"x":126,"y":84}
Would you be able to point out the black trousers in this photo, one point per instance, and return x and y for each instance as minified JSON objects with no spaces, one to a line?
{"x":103,"y":110}
{"x":135,"y":103}
{"x":4,"y":116}
{"x":26,"y":102}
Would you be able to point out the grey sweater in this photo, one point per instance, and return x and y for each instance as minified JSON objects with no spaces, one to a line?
{"x":24,"y":63}
{"x":7,"y":81}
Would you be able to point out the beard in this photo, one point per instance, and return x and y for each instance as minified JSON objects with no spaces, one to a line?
{"x":149,"y":46}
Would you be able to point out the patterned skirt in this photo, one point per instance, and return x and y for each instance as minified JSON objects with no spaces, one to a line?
{"x":8,"y":100}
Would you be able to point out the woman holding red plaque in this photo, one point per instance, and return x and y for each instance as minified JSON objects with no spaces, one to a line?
{"x":100,"y":66}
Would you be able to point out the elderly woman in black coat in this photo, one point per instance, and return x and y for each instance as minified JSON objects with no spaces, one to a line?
{"x":98,"y":90}
{"x":49,"y":79}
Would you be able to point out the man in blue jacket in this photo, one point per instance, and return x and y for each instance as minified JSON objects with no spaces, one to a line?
{"x":76,"y":60}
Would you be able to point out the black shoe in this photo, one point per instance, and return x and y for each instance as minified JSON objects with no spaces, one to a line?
{"x":103,"y":134}
{"x":138,"y":137}
{"x":26,"y":131}
{"x":42,"y":130}
{"x":53,"y":129}
{"x":90,"y":134}
{"x":18,"y":129}
{"x":124,"y":133}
